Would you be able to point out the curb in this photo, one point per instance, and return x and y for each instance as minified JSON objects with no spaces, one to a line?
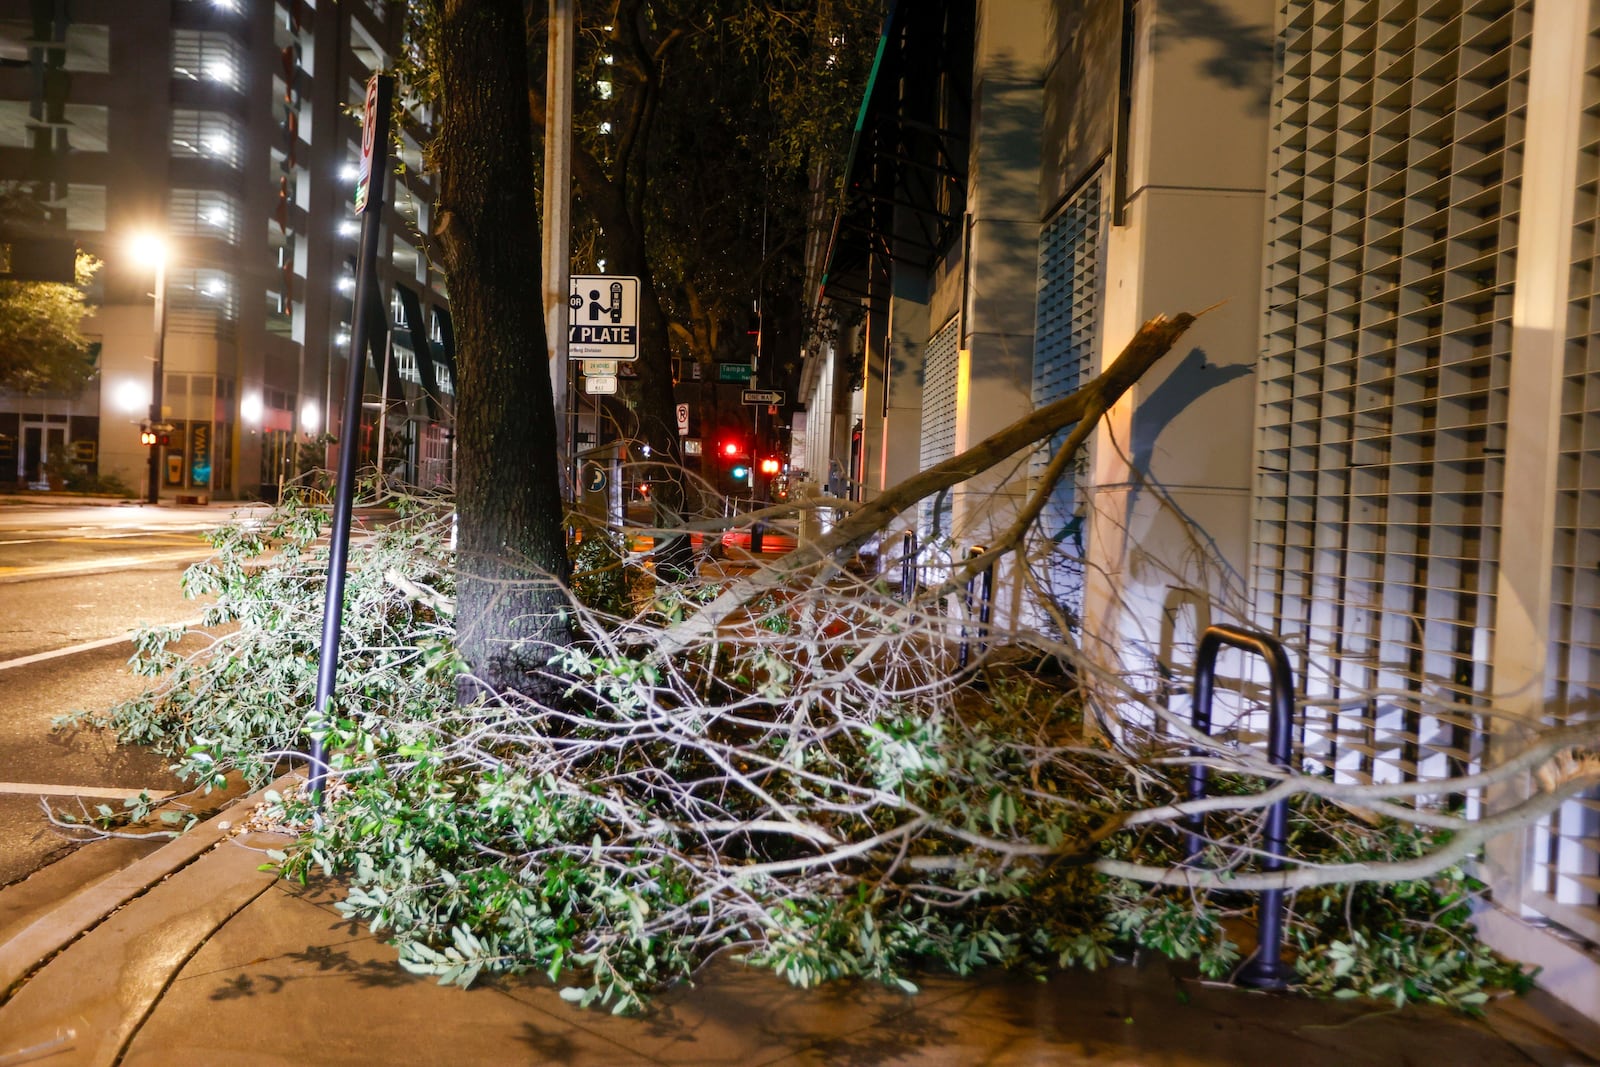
{"x":43,"y":939}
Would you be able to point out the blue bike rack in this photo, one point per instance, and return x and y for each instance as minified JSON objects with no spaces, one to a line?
{"x":1266,"y":969}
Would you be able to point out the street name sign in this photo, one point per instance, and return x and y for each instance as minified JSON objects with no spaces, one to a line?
{"x":733,"y":372}
{"x":604,"y":319}
{"x":761,"y":396}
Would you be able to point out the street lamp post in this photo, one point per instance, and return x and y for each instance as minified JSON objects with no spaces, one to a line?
{"x":154,"y":251}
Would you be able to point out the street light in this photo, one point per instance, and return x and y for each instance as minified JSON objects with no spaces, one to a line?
{"x":152,"y":249}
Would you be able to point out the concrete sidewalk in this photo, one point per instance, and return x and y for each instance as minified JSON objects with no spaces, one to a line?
{"x":191,"y":955}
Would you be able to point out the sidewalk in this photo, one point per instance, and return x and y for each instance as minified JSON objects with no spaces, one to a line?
{"x":193,"y":956}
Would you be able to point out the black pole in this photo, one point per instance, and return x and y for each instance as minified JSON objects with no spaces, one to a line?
{"x":908,"y":567}
{"x":369,"y":201}
{"x":1266,"y":969}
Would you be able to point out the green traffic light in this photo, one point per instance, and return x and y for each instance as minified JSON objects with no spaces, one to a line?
{"x":740,"y":473}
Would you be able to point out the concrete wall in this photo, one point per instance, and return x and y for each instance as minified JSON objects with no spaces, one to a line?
{"x":1001,"y":269}
{"x":1170,"y":471}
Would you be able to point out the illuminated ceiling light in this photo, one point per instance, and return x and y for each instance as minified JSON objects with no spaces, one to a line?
{"x":603,"y":88}
{"x":219,"y":144}
{"x":347,"y":284}
{"x":349,"y":172}
{"x":342,"y":337}
{"x":220,"y":70}
{"x":310,"y":417}
{"x":216,"y":217}
{"x":214,"y":288}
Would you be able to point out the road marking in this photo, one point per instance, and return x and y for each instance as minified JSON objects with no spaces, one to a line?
{"x":106,"y":563}
{"x":74,"y":536}
{"x":87,"y":646}
{"x":94,"y":792}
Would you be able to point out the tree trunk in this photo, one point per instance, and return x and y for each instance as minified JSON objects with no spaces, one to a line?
{"x":656,"y":404}
{"x":511,"y":551}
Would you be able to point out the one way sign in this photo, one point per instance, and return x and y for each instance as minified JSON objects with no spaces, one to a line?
{"x":761,"y":396}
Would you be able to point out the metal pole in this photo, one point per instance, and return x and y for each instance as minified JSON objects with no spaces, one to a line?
{"x":158,"y":377}
{"x":558,"y":225}
{"x":375,"y":145}
{"x":1266,"y":969}
{"x":383,"y":404}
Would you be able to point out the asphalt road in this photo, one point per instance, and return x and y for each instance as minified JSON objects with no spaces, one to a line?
{"x":75,"y":581}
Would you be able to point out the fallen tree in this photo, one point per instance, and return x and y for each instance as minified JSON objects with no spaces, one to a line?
{"x":790,"y":763}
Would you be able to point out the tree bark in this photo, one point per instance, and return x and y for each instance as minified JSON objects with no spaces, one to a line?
{"x":511,"y":552}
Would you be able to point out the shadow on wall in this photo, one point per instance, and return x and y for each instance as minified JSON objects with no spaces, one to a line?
{"x":1244,"y":49}
{"x":1191,"y":379}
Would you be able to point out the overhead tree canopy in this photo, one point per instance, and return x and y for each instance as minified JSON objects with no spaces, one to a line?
{"x":42,"y":345}
{"x":704,"y":134}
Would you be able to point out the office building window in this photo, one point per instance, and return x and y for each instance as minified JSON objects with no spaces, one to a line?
{"x":203,"y":213}
{"x":201,"y":55}
{"x":206,"y":134}
{"x":86,"y":208}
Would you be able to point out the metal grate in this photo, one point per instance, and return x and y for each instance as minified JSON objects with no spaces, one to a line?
{"x":1066,"y":332}
{"x":1392,"y":229}
{"x":940,"y":367}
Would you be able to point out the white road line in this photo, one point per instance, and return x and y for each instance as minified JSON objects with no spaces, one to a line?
{"x":92,"y":791}
{"x":87,"y":646}
{"x":107,"y":563}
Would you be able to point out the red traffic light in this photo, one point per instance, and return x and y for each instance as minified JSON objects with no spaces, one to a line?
{"x":730,"y":448}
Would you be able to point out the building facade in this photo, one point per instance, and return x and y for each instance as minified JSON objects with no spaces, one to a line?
{"x":231,"y":130}
{"x":1378,"y":442}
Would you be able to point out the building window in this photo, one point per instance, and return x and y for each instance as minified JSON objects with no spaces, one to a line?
{"x":86,"y":127}
{"x":441,"y":375}
{"x":86,"y":208}
{"x":203,"y":213}
{"x":14,"y":121}
{"x":405,"y":362}
{"x":201,"y":55}
{"x":88,"y":49}
{"x":203,"y":290}
{"x":405,"y":258}
{"x":205,"y":134}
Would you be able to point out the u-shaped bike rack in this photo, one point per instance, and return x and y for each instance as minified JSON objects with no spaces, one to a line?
{"x":1266,"y":969}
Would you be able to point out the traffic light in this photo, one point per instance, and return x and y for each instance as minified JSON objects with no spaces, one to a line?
{"x":732,"y":448}
{"x":163,"y":439}
{"x":147,"y":436}
{"x":770,"y":466}
{"x":740,"y":473}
